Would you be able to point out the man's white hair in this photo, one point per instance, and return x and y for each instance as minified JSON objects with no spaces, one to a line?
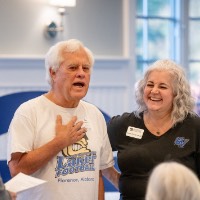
{"x":54,"y":56}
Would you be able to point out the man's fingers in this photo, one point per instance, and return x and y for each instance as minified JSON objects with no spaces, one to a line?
{"x":72,"y":125}
{"x":81,"y":131}
{"x":72,"y":121}
{"x":58,"y":120}
{"x":79,"y":135}
{"x":78,"y":125}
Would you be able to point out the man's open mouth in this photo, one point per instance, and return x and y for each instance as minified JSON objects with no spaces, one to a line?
{"x":79,"y":84}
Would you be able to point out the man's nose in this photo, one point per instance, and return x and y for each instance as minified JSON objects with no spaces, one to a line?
{"x":80,"y":72}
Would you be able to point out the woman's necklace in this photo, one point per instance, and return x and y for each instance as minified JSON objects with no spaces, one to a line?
{"x":158,"y":130}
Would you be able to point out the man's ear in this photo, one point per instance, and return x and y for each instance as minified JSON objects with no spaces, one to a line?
{"x":52,"y":73}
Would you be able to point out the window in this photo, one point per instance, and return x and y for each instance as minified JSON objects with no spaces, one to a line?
{"x":194,"y":49}
{"x":157,"y":32}
{"x":170,"y":29}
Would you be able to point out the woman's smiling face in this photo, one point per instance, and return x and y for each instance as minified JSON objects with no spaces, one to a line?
{"x":158,"y":91}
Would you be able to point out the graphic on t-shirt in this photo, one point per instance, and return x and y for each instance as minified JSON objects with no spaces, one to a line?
{"x":76,"y":148}
{"x":180,"y":141}
{"x":77,"y":163}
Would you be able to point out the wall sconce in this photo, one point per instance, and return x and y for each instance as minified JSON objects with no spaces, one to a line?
{"x":52,"y":28}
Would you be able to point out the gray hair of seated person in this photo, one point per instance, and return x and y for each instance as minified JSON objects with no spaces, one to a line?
{"x":172,"y":181}
{"x":183,"y":102}
{"x":54,"y":57}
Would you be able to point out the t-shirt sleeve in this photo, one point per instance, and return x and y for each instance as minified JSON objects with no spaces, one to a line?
{"x":106,"y":154}
{"x":21,"y":132}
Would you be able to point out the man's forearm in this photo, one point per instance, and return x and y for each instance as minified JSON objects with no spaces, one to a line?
{"x":112,"y":175}
{"x":101,"y":187}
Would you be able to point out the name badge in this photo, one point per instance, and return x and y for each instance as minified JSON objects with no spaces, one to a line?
{"x":134,"y":132}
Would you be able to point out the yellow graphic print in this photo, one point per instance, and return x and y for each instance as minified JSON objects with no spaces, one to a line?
{"x":76,"y":148}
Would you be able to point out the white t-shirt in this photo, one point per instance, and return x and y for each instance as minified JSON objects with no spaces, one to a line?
{"x":74,"y":173}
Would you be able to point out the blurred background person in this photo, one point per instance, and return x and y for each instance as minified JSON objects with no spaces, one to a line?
{"x":172,"y":180}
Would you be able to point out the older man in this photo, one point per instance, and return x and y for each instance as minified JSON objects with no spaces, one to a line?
{"x":59,"y":137}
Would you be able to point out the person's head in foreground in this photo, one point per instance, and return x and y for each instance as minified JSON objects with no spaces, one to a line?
{"x":173,"y":181}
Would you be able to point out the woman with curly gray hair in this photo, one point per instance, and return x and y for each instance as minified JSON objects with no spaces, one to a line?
{"x":164,"y":127}
{"x":183,"y":102}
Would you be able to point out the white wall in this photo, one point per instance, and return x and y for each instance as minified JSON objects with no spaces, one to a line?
{"x":106,"y":27}
{"x":98,"y":23}
{"x":108,"y":88}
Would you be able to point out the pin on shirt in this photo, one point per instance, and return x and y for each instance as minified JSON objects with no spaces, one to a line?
{"x":134,"y":132}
